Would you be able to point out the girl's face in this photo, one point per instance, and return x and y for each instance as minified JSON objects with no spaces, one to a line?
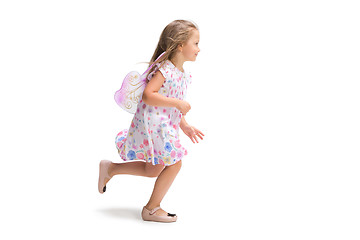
{"x":191,"y":49}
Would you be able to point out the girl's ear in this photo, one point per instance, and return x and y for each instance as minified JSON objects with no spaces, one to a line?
{"x":180,"y":47}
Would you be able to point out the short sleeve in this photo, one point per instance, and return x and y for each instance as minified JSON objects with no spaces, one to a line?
{"x":163,"y":72}
{"x":163,"y":69}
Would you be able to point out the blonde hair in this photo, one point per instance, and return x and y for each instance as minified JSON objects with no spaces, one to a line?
{"x":174,"y":34}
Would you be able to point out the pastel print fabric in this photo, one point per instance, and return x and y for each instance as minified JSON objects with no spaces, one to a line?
{"x":153,"y":135}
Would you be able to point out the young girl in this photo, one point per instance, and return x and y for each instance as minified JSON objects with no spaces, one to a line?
{"x":153,"y":136}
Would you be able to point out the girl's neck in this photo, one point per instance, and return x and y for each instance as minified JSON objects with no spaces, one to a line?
{"x":178,"y":62}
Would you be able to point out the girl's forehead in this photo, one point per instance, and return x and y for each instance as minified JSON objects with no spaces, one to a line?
{"x":195,"y":34}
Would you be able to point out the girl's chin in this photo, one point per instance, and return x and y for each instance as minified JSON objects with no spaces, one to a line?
{"x":191,"y":60}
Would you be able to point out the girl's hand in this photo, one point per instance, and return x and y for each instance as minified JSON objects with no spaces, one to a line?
{"x":193,"y":133}
{"x":183,"y":106}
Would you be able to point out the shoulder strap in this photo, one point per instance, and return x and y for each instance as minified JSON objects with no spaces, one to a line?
{"x":154,"y":63}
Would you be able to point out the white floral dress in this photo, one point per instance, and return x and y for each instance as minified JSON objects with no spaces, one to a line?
{"x":153,"y":135}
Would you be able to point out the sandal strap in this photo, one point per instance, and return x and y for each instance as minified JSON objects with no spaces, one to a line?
{"x":154,"y":210}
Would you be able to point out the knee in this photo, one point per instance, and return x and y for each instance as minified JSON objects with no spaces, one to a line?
{"x":153,"y":171}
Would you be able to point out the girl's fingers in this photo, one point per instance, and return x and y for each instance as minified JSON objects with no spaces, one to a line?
{"x":196,"y":139}
{"x":200,"y":132}
{"x":195,"y":134}
{"x":191,"y":138}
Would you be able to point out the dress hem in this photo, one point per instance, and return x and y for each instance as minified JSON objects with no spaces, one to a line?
{"x":159,"y":162}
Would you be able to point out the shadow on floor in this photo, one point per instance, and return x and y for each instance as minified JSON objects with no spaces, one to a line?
{"x":125,"y":213}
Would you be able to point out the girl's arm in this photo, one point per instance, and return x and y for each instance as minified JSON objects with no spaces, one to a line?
{"x":153,"y":98}
{"x":151,"y":95}
{"x":191,"y":131}
{"x":183,"y":123}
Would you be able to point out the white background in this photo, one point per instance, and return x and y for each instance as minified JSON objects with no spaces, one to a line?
{"x":275,"y":90}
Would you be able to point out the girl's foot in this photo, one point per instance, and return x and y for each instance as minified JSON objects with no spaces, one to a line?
{"x":157,"y":215}
{"x":104,"y":176}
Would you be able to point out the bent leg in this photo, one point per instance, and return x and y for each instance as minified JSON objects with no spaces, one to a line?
{"x":137,"y":168}
{"x":162,"y":185}
{"x":153,"y":170}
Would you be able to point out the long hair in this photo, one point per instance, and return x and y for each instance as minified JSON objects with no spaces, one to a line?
{"x":174,"y":34}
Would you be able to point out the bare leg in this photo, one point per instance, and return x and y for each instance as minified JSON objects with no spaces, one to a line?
{"x":137,"y":168}
{"x":162,"y":185}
